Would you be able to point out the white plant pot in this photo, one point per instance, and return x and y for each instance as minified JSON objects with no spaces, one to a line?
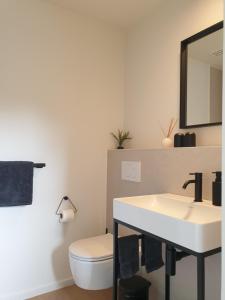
{"x":167,"y":142}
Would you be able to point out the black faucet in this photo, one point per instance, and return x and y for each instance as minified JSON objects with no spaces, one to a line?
{"x":198,"y":186}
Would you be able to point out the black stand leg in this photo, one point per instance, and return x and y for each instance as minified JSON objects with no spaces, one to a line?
{"x":167,"y":289}
{"x":115,"y":259}
{"x":201,"y":277}
{"x":167,"y":278}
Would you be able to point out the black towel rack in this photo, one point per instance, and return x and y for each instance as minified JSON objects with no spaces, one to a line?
{"x":39,"y":165}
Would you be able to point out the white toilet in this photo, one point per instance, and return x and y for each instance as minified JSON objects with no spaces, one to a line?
{"x":91,"y":262}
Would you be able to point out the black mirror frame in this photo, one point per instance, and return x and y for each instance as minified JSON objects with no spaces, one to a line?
{"x":183,"y":75}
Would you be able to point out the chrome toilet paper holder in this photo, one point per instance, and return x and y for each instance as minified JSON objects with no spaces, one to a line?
{"x":66,"y":198}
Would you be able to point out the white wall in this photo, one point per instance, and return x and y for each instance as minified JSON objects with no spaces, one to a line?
{"x":152,"y":98}
{"x":61,"y":93}
{"x":153,"y":68}
{"x":223,"y":170}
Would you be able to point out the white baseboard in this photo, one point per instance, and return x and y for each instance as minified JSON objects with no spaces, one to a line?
{"x":23,"y":295}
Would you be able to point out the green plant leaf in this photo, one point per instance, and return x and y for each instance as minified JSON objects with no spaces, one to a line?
{"x":115,"y":137}
{"x":121,"y":136}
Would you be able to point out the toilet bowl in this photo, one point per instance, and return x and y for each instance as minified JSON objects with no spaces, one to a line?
{"x":91,"y":262}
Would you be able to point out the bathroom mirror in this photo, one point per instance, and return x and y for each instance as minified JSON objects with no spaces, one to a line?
{"x":201,"y":78}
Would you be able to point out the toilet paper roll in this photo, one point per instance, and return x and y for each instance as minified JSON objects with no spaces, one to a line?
{"x":66,"y":215}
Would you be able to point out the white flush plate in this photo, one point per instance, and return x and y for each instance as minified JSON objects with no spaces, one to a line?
{"x":131,"y":171}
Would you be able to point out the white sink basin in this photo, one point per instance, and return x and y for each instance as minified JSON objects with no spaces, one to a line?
{"x":193,"y":225}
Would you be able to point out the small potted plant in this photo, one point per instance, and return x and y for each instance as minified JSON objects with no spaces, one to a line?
{"x":121,"y":137}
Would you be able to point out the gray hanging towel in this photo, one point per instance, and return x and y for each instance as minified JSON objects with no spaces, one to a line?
{"x":16,"y":183}
{"x":151,"y":254}
{"x":128,"y":247}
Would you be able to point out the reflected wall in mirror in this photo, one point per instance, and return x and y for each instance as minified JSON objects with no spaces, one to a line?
{"x":201,"y":78}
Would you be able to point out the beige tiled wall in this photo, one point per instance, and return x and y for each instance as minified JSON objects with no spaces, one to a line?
{"x":165,"y":170}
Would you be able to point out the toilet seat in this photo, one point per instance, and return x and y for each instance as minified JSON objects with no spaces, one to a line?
{"x":89,"y":259}
{"x":93,"y":249}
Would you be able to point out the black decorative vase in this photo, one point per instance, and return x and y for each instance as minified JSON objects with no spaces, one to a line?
{"x":190,"y":140}
{"x":179,"y":140}
{"x":120,"y":147}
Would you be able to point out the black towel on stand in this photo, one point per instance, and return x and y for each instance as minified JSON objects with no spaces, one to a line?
{"x":16,"y":183}
{"x":128,"y":247}
{"x":151,"y":254}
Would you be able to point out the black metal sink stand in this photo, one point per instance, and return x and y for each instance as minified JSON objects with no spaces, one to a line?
{"x":200,"y":261}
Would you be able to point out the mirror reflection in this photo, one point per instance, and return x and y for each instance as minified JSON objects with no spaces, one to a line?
{"x":204,"y":79}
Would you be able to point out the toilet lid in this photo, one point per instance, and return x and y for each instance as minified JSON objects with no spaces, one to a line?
{"x":93,"y":249}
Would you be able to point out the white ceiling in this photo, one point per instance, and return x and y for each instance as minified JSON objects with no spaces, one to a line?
{"x":123,"y":13}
